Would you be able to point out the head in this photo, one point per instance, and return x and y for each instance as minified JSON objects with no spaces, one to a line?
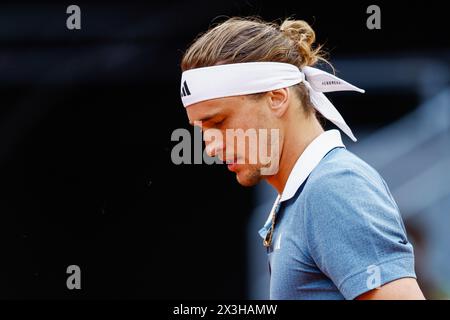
{"x":239,"y":40}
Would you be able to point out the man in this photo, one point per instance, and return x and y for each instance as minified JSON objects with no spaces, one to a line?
{"x":334,"y":232}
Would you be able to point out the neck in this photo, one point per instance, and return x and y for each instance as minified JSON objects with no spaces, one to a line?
{"x":297,"y":138}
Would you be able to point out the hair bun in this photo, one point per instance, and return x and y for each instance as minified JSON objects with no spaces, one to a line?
{"x":301,"y":33}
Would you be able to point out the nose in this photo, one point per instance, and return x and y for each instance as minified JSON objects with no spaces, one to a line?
{"x":213,"y":142}
{"x":214,"y":148}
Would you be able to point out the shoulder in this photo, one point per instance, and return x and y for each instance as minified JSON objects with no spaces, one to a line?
{"x":345,"y":186}
{"x":342,"y":171}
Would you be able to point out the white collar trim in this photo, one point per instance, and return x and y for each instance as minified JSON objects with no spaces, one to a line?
{"x":309,"y":159}
{"x":306,"y":163}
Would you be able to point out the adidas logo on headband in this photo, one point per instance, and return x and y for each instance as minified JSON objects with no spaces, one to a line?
{"x":185,"y":90}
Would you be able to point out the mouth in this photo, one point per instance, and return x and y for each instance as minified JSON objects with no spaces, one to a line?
{"x":232,"y":164}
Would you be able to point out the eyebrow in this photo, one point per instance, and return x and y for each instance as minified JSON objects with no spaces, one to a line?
{"x":204,"y":119}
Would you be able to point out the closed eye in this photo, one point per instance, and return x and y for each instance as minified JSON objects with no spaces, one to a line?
{"x":220,"y":122}
{"x":210,"y":124}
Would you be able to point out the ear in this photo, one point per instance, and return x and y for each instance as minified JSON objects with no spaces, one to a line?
{"x":278,"y":101}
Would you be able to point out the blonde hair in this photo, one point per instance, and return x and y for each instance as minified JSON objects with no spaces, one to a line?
{"x":251,"y":39}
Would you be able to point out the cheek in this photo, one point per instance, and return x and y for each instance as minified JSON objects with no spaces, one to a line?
{"x":247,"y":121}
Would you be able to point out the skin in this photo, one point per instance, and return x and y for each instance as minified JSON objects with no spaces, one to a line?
{"x":278,"y":109}
{"x":401,"y":289}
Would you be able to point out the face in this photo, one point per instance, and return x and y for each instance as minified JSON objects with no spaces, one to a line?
{"x":231,"y":130}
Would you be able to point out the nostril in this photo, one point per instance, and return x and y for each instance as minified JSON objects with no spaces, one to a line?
{"x":210,"y":150}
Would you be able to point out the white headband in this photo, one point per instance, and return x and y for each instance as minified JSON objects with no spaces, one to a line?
{"x":254,"y":77}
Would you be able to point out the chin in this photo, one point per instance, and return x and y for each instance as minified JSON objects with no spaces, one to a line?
{"x":247,"y":178}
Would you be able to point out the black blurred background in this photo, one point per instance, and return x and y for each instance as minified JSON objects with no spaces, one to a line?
{"x":85,"y":142}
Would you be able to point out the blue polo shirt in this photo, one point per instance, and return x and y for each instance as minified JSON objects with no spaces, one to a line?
{"x":339,"y":233}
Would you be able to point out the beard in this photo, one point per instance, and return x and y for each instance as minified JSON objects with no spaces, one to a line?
{"x":249,"y":176}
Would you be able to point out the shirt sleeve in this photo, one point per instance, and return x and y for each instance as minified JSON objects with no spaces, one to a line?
{"x":355,"y":233}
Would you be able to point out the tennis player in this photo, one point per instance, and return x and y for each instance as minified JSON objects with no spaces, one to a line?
{"x":335,"y":231}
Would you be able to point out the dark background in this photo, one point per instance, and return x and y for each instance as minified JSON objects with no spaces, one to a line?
{"x":86,"y":118}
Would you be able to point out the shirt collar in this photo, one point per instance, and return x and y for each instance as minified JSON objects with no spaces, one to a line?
{"x":309,"y":159}
{"x":304,"y":165}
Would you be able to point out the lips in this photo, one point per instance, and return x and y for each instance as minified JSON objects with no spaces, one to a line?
{"x":231,"y":164}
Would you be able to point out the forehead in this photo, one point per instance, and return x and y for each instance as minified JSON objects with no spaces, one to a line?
{"x":213,"y":107}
